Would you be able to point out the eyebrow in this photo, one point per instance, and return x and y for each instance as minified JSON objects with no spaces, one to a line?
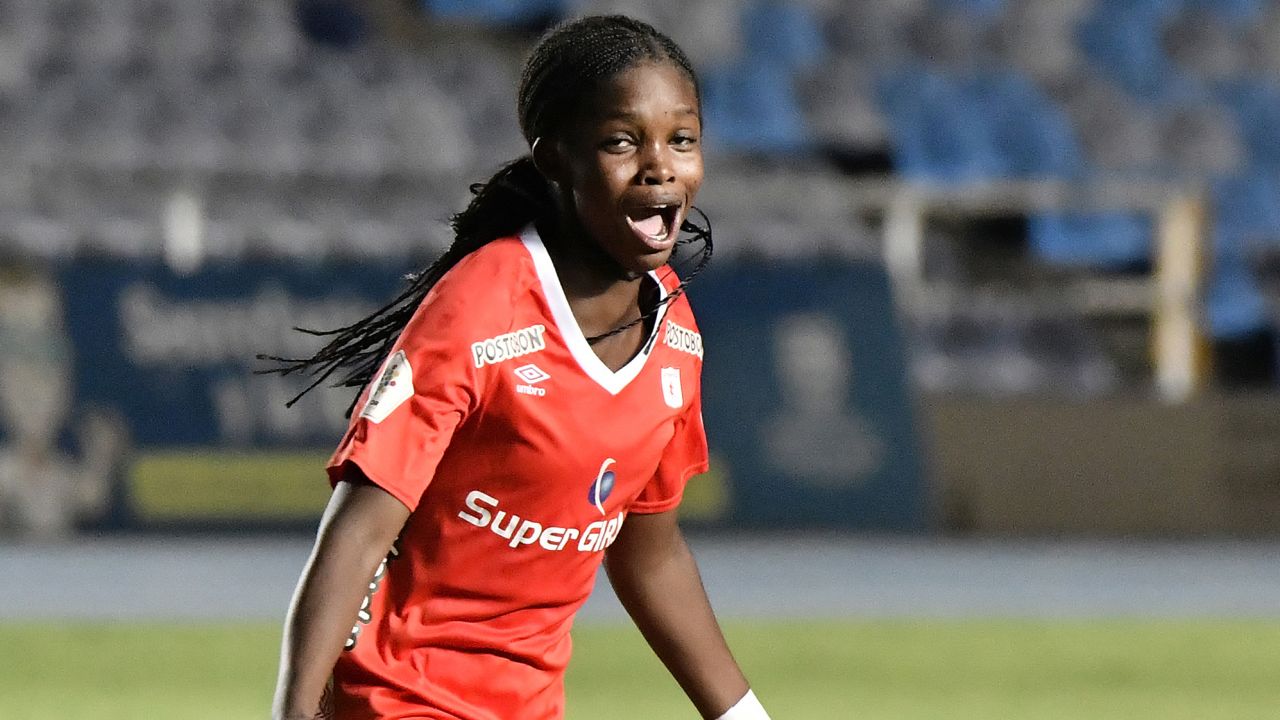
{"x":627,"y":115}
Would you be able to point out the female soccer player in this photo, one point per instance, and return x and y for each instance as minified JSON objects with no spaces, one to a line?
{"x":531,"y":409}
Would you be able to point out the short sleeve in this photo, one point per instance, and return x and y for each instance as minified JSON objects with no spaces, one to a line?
{"x":684,"y":457}
{"x":406,"y":416}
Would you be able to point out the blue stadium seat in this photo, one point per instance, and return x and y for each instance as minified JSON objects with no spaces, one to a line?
{"x":937,"y":132}
{"x":783,"y":34}
{"x":1236,"y":12}
{"x":1035,"y":140}
{"x":978,"y":9}
{"x":1157,"y":9}
{"x":752,"y":107}
{"x":1032,"y":136}
{"x":985,"y":126}
{"x":1246,"y":212}
{"x":1256,"y":104}
{"x":1234,"y":305}
{"x":1100,"y":240}
{"x":1123,"y":41}
{"x":1246,"y":218}
{"x":495,"y":12}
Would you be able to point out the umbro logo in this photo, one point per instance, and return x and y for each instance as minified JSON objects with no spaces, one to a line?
{"x":531,"y":375}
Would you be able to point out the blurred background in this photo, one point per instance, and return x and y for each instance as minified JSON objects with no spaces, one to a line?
{"x":996,"y":288}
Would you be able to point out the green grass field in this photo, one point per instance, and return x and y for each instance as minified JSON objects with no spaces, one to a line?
{"x":868,"y":670}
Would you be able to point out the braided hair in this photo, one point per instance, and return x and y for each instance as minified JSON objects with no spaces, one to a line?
{"x":568,"y":62}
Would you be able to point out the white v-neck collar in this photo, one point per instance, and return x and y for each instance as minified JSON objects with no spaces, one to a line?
{"x":579,"y":348}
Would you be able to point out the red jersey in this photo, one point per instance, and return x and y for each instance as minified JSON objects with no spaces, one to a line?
{"x":520,"y":455}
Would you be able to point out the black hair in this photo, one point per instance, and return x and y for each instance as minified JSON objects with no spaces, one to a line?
{"x":568,"y":62}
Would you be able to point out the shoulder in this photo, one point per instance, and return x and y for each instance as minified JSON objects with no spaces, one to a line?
{"x":495,"y":269}
{"x":680,"y":309}
{"x":679,"y":327}
{"x":479,"y":294}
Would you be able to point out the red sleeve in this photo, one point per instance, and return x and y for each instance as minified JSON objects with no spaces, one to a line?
{"x":425,"y":388}
{"x":684,"y":457}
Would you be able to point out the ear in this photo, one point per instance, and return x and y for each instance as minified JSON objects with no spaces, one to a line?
{"x":546,"y":157}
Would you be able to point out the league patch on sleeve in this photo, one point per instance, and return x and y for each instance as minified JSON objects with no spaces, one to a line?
{"x":391,"y":388}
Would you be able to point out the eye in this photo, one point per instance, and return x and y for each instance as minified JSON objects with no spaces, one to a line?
{"x":684,"y":140}
{"x":617,"y":143}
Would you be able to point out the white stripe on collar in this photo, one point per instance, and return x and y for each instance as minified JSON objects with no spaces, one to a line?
{"x":587,"y":359}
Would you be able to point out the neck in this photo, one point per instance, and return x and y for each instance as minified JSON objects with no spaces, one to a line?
{"x":602,"y":295}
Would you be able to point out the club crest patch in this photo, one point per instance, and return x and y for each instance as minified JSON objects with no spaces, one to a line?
{"x":672,"y":392}
{"x":391,"y":388}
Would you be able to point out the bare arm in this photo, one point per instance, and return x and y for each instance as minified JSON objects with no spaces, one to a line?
{"x":356,"y":532}
{"x":655,"y":576}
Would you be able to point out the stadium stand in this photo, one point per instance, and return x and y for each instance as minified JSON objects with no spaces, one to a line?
{"x":324,"y":128}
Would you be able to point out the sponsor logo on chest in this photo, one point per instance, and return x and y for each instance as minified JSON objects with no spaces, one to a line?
{"x":518,"y":343}
{"x":482,"y":511}
{"x":683,"y":339}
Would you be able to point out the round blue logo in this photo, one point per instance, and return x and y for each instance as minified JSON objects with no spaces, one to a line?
{"x":600,"y":490}
{"x":602,"y":486}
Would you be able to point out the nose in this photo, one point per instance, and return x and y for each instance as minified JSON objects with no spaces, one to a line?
{"x":656,"y":165}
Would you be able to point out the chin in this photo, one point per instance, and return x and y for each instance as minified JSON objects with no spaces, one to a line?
{"x":648,"y":262}
{"x":634,"y":258}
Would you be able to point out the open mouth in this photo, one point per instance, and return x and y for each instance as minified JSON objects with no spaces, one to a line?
{"x":655,"y":225}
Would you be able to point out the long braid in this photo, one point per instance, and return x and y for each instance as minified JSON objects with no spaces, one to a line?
{"x":568,"y":62}
{"x":513,"y":197}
